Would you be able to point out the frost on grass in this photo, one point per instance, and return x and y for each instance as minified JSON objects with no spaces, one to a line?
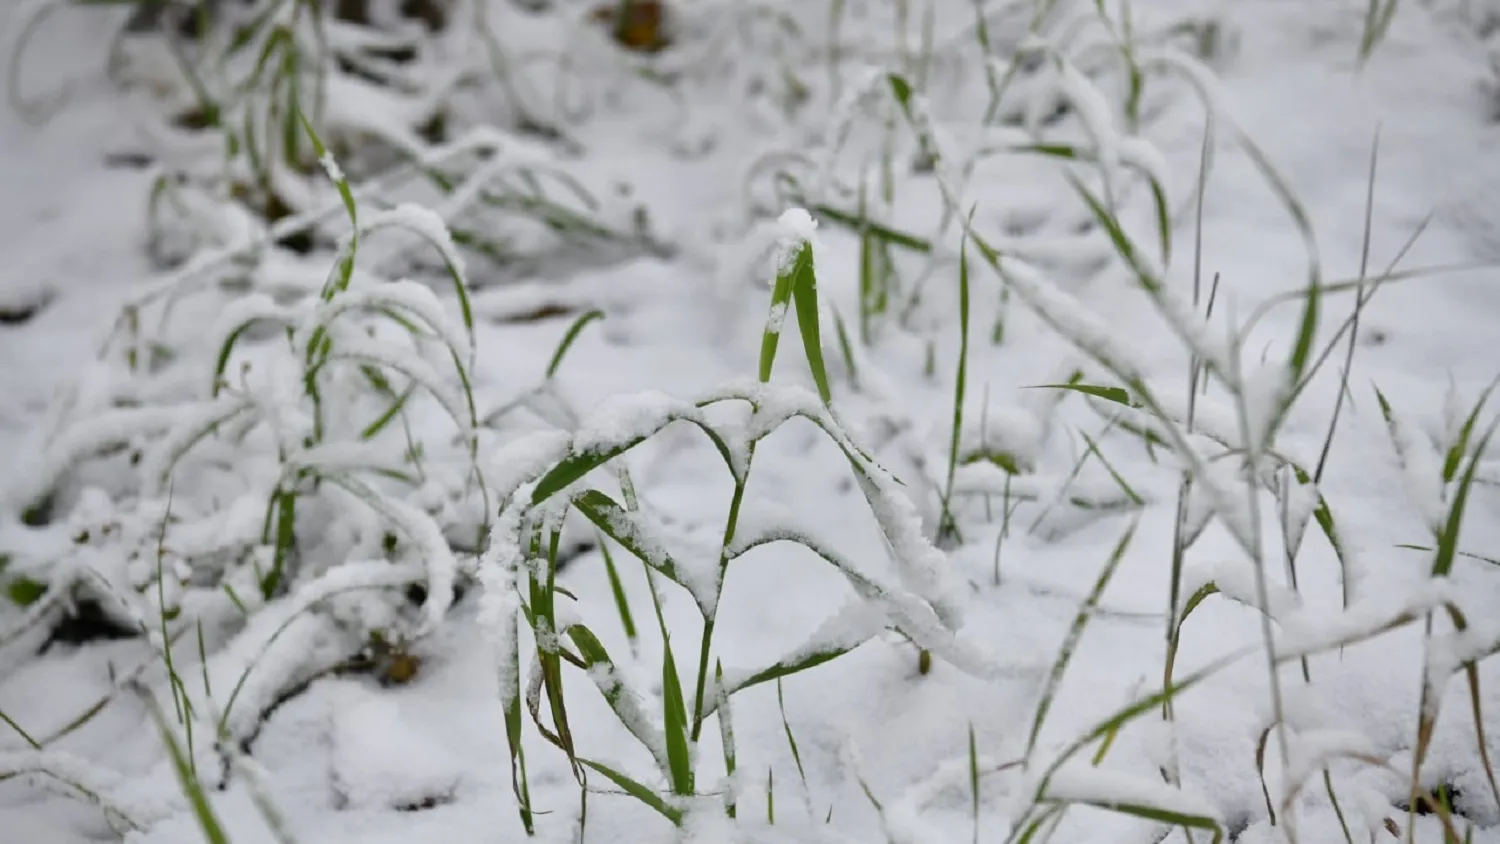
{"x":1008,"y":436}
{"x":331,"y":168}
{"x":415,"y":299}
{"x":645,"y":536}
{"x":427,"y":539}
{"x":1313,"y":630}
{"x":413,"y":366}
{"x":852,"y":625}
{"x":287,"y":641}
{"x":621,"y":421}
{"x":1309,"y":752}
{"x":1094,"y":111}
{"x":1081,"y":783}
{"x":81,"y":780}
{"x":1237,"y":581}
{"x":523,"y":460}
{"x":777,"y":317}
{"x":427,"y":224}
{"x":628,"y":707}
{"x":1068,"y":316}
{"x":88,"y":437}
{"x":1422,"y":468}
{"x":795,"y":229}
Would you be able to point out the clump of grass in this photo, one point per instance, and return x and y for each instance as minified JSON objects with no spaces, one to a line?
{"x":250,"y":73}
{"x":308,"y":413}
{"x":520,"y":570}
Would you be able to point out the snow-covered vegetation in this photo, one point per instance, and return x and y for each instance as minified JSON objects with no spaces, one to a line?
{"x":749,"y":420}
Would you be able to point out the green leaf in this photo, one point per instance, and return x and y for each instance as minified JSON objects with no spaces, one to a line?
{"x":786,"y":725}
{"x":901,"y":88}
{"x":388,"y":415}
{"x":622,"y":604}
{"x":576,"y":465}
{"x":1074,"y":636}
{"x":781,"y":300}
{"x":1456,"y":453}
{"x":636,"y":790}
{"x":569,"y":336}
{"x":1159,"y":815}
{"x":862,"y":223}
{"x":1442,"y":562}
{"x":1064,"y":151}
{"x":787,"y":668}
{"x":679,"y":754}
{"x":23,"y":591}
{"x":620,"y":525}
{"x":726,"y":736}
{"x":947,"y":523}
{"x":227,"y":350}
{"x":10,"y":722}
{"x":1118,"y":237}
{"x":342,"y":184}
{"x":847,"y":348}
{"x":1118,"y":395}
{"x":192,"y":788}
{"x":805,"y":294}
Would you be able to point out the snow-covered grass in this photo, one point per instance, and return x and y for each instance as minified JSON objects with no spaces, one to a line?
{"x":1069,"y":510}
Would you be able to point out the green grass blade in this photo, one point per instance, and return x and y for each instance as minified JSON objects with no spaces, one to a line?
{"x":620,"y":525}
{"x":791,"y":740}
{"x":947,"y":524}
{"x":10,"y":722}
{"x":192,"y":788}
{"x":1118,"y":395}
{"x":804,"y":283}
{"x":1460,"y":447}
{"x":1074,"y":636}
{"x":679,"y":750}
{"x":788,"y":668}
{"x":859,"y":223}
{"x":781,"y":300}
{"x":346,"y":195}
{"x":846,"y":347}
{"x":726,"y":736}
{"x":622,"y":604}
{"x":770,"y":796}
{"x":636,"y":790}
{"x":576,"y":465}
{"x":1447,"y":541}
{"x":568,"y":338}
{"x":1159,"y":815}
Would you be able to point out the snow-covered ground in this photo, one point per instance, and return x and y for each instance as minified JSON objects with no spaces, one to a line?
{"x":104,"y":393}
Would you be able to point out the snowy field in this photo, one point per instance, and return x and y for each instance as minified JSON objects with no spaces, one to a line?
{"x":788,"y":421}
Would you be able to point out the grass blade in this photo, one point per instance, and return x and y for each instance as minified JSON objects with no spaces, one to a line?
{"x":192,"y":788}
{"x":1074,"y":635}
{"x":805,"y":296}
{"x":636,"y":790}
{"x":618,"y":590}
{"x":679,"y":750}
{"x":791,"y":740}
{"x":569,"y":336}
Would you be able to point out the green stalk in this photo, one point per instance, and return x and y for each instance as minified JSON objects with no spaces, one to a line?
{"x":709,"y":621}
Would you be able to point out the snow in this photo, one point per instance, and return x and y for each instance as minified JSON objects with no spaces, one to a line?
{"x":796,"y":229}
{"x":647,"y":187}
{"x":382,"y":760}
